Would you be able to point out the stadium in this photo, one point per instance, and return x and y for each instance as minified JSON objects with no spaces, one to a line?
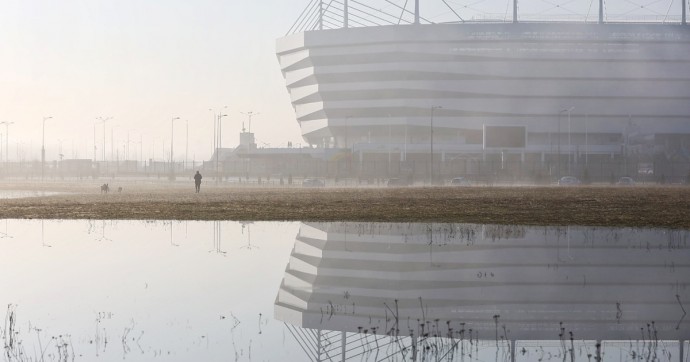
{"x":495,"y":96}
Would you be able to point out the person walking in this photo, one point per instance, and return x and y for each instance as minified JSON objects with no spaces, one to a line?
{"x":197,"y":181}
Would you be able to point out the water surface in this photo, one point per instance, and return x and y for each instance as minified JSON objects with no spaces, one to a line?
{"x":19,"y":194}
{"x":271,"y":291}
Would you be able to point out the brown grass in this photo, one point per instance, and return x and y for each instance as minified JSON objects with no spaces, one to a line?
{"x":596,"y":206}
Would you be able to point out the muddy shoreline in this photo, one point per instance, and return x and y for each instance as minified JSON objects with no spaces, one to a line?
{"x":644,"y":206}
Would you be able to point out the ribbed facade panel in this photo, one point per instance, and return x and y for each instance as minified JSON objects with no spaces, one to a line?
{"x":358,"y":83}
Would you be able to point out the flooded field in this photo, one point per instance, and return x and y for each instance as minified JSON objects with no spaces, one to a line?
{"x":288,"y":291}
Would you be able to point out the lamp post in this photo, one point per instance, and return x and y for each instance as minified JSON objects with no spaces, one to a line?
{"x":172,"y":135}
{"x":102,"y":120}
{"x":586,"y":142}
{"x":186,"y":144}
{"x":94,"y":142}
{"x":627,"y":144}
{"x":558,"y":148}
{"x":43,"y":147}
{"x":390,"y":137}
{"x":431,"y":143}
{"x":570,"y":146}
{"x":560,"y":112}
{"x":7,"y":141}
{"x":249,"y":116}
{"x":214,"y":130}
{"x":220,"y":141}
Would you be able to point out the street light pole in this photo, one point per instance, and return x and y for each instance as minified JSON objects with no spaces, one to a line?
{"x":220,"y":141}
{"x":214,"y":129}
{"x":7,"y":141}
{"x":102,"y":120}
{"x":570,"y":146}
{"x":186,"y":144}
{"x":388,"y":122}
{"x":94,"y":142}
{"x":249,"y":116}
{"x":558,"y":148}
{"x":431,"y":154}
{"x":172,"y":134}
{"x":586,"y":143}
{"x":43,"y":147}
{"x":558,"y":174}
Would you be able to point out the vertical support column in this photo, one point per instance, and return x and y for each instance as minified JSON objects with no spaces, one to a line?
{"x":515,"y":11}
{"x":683,"y":15}
{"x":346,"y":15}
{"x":601,"y":11}
{"x":320,"y":21}
{"x":343,"y":338}
{"x":416,"y":11}
{"x":512,"y":350}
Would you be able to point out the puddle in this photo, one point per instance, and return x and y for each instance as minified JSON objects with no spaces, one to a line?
{"x":288,"y":291}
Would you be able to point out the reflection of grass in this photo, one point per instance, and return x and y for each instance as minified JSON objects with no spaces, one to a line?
{"x":59,"y":348}
{"x":600,"y":206}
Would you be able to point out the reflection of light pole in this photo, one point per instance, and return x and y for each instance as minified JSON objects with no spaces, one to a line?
{"x":172,"y":134}
{"x":43,"y":147}
{"x":431,"y":154}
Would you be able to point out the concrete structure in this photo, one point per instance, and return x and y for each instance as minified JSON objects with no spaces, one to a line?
{"x":582,"y":94}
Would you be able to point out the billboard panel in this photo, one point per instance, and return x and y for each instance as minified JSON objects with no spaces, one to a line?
{"x":505,"y":136}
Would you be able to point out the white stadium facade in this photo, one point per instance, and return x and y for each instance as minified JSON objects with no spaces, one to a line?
{"x":509,"y":100}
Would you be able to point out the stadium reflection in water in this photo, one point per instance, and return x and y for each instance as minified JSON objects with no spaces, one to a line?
{"x":211,"y":291}
{"x":486,"y":292}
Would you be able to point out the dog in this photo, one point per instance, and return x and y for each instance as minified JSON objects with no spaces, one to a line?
{"x":105,"y":188}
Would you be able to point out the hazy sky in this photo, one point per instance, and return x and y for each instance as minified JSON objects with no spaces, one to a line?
{"x":146,"y":61}
{"x":142,"y":62}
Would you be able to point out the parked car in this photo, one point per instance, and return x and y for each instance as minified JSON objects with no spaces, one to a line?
{"x":626,"y":181}
{"x":569,"y":181}
{"x":312,"y":182}
{"x":396,"y":182}
{"x":459,"y":181}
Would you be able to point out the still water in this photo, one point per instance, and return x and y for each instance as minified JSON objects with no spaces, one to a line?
{"x":285,"y":291}
{"x":20,"y":194}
